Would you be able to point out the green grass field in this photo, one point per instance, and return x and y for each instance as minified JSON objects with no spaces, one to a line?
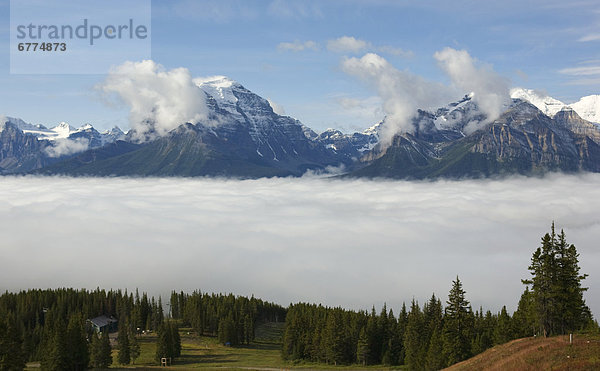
{"x":206,"y":352}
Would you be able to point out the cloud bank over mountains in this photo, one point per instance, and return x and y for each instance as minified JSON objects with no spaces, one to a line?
{"x":403,"y":92}
{"x":159,"y":100}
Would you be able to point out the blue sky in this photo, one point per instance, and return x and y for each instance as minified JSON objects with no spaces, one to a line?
{"x":281,"y":50}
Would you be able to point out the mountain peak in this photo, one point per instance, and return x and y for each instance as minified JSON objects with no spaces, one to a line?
{"x":221,"y":89}
{"x":545,"y":103}
{"x":217,"y":81}
{"x":588,"y":108}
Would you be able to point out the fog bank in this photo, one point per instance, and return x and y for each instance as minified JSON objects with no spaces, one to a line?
{"x":351,"y":243}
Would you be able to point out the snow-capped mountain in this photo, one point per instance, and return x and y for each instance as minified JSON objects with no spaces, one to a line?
{"x":588,"y":108}
{"x":351,"y":146}
{"x":243,"y":137}
{"x":63,"y":130}
{"x":523,"y":140}
{"x":25,"y":140}
{"x":548,"y":105}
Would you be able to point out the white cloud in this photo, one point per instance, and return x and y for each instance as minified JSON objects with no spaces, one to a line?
{"x":491,"y":91}
{"x":590,"y":37}
{"x":387,"y":49}
{"x":581,"y":71}
{"x":298,"y":46}
{"x":369,"y":110}
{"x":588,"y":74}
{"x":294,"y":239}
{"x":277,"y":108}
{"x":402,"y":93}
{"x":66,"y":146}
{"x":347,"y":44}
{"x":159,"y":100}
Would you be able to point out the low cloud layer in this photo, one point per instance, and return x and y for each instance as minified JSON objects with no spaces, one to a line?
{"x":350,"y":243}
{"x":403,"y":93}
{"x":159,"y":100}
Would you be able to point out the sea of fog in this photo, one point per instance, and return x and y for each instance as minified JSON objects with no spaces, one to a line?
{"x":352,"y":243}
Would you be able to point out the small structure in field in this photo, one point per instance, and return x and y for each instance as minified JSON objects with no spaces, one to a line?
{"x":104,"y":323}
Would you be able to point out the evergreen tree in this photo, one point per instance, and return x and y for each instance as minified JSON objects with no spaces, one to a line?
{"x":11,"y":345}
{"x":124,"y":355}
{"x":503,"y":330}
{"x":383,"y":334}
{"x":362,"y":348}
{"x":402,"y":321}
{"x":372,"y":335}
{"x":77,"y":346}
{"x":164,"y":346}
{"x":456,"y":339}
{"x":524,"y":318}
{"x":57,"y":357}
{"x":101,"y":356}
{"x":334,"y":338}
{"x":176,"y":339}
{"x":414,"y":344}
{"x":134,"y":347}
{"x":434,"y":360}
{"x":556,"y":286}
{"x":393,"y":354}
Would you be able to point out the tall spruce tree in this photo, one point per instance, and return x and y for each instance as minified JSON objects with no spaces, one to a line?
{"x":101,"y":356}
{"x":11,"y":345}
{"x":124,"y":355}
{"x":78,"y":350}
{"x":56,"y":353}
{"x":414,"y":342}
{"x":134,"y":347}
{"x":362,"y":348}
{"x":556,"y":289}
{"x":457,"y":326}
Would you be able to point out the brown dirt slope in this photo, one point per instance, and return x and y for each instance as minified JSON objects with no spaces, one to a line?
{"x":554,"y":353}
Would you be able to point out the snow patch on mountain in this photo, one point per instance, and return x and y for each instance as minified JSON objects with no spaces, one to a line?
{"x":588,"y":108}
{"x":548,"y":105}
{"x":221,"y":89}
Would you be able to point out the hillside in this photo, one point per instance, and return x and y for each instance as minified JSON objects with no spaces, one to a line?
{"x":538,"y":354}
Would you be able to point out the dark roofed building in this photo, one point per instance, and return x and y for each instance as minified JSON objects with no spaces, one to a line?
{"x":104,"y":323}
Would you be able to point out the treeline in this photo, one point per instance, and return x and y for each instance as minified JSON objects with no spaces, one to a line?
{"x":423,"y":338}
{"x":433,"y":336}
{"x":37,"y":315}
{"x":232,"y":318}
{"x":426,"y":337}
{"x":52,"y":325}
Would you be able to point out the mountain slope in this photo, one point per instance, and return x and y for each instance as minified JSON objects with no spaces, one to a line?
{"x":188,"y":151}
{"x":243,"y":137}
{"x":522,"y":141}
{"x":538,"y":354}
{"x":20,"y":152}
{"x":588,"y":108}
